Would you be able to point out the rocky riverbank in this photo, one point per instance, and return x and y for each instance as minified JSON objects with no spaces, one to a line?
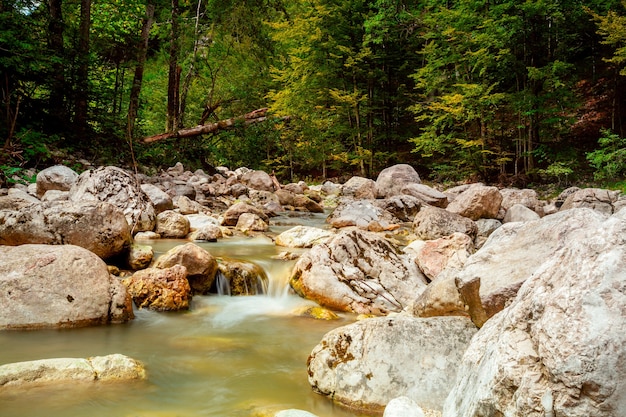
{"x":476,"y":301}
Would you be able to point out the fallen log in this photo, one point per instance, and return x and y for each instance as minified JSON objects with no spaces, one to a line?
{"x":256,"y":116}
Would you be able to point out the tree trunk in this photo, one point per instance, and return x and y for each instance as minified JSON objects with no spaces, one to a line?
{"x":173,"y":82}
{"x":192,"y":66}
{"x":142,"y":50}
{"x":82,"y":75}
{"x":56,"y":103}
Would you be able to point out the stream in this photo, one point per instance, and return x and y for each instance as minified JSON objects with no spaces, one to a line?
{"x":226,"y":356}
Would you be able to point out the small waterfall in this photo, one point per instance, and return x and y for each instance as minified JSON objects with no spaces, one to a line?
{"x":222,"y":285}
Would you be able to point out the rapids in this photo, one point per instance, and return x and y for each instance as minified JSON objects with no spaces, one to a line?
{"x":227,"y":356}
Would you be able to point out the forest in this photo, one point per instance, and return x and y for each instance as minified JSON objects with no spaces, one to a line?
{"x":495,"y":90}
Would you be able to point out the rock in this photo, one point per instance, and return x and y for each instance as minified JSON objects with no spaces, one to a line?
{"x":558,"y":349}
{"x":519,"y":213}
{"x":359,"y":188}
{"x":294,"y":413}
{"x":285,"y":197}
{"x":115,"y":186}
{"x":403,"y":407}
{"x":159,"y":198}
{"x":304,"y":203}
{"x":426,"y":194}
{"x":207,"y":233}
{"x":316,"y":312}
{"x":55,"y":195}
{"x":160,"y":289}
{"x":485,"y":228}
{"x":330,"y":188}
{"x":147,"y":236}
{"x":515,"y":251}
{"x":231,"y":216}
{"x":115,"y":367}
{"x":46,"y":286}
{"x":170,"y":224}
{"x":366,"y":364}
{"x":403,"y":207}
{"x":250,"y":222}
{"x":477,"y":202}
{"x":441,"y":298}
{"x":187,"y":206}
{"x":241,"y":277}
{"x":140,"y":256}
{"x":258,"y":180}
{"x":560,"y":199}
{"x":446,"y":252}
{"x":303,"y":237}
{"x":593,"y":198}
{"x":360,"y":213}
{"x":201,"y":265}
{"x":525,"y":197}
{"x":434,"y":223}
{"x":58,"y":177}
{"x":359,"y":272}
{"x":198,"y":221}
{"x":391,"y":180}
{"x":16,"y":200}
{"x":96,"y":226}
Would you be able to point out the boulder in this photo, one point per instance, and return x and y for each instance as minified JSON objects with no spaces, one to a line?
{"x":485,"y":228}
{"x":207,"y":233}
{"x":58,"y":177}
{"x":446,"y":252}
{"x":515,"y":251}
{"x":170,"y":224}
{"x":366,"y":364}
{"x":115,"y":186}
{"x":426,"y":194}
{"x":403,"y":407}
{"x":250,"y":222}
{"x":241,"y":278}
{"x":359,"y":272}
{"x":441,"y":298}
{"x":558,"y":349}
{"x":477,"y":202}
{"x":231,"y":216}
{"x":258,"y":180}
{"x":434,"y":223}
{"x":198,"y":221}
{"x":519,"y":213}
{"x":115,"y":367}
{"x":201,"y":265}
{"x":303,"y":237}
{"x":403,"y":207}
{"x":285,"y":197}
{"x":165,"y":289}
{"x":139,"y":256}
{"x":304,"y":203}
{"x":52,"y":286}
{"x":96,"y":226}
{"x":17,"y":199}
{"x":593,"y":198}
{"x":525,"y":197}
{"x":185,"y":205}
{"x":359,"y":188}
{"x":362,"y":214}
{"x":55,"y":195}
{"x":392,"y":179}
{"x":159,"y":198}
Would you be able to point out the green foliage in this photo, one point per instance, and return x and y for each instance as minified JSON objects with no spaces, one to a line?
{"x":610,"y":160}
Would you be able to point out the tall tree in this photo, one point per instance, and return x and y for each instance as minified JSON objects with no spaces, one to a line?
{"x":56,"y":101}
{"x":173,"y":81}
{"x":82,"y":72}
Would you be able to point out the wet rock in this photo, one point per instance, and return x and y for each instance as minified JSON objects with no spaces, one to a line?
{"x":201,"y":265}
{"x":160,"y":289}
{"x":558,"y":349}
{"x":367,"y":364}
{"x":140,"y":256}
{"x":147,"y":236}
{"x":115,"y":367}
{"x":477,"y":202}
{"x":159,"y":198}
{"x":115,"y":186}
{"x":58,"y":177}
{"x":96,"y":226}
{"x":52,"y":286}
{"x":316,"y":312}
{"x":359,"y":188}
{"x":207,"y":233}
{"x":358,"y":272}
{"x":242,"y":277}
{"x":170,"y":224}
{"x":434,"y":223}
{"x":303,"y":237}
{"x":391,"y":180}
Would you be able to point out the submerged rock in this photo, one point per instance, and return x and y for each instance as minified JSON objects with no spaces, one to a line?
{"x":241,"y":277}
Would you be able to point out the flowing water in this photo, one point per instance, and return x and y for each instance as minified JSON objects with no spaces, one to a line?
{"x":227,"y":356}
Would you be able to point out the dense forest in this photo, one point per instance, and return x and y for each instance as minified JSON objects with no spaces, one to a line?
{"x":488,"y":90}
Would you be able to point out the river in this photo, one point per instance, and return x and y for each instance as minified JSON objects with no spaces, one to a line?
{"x":227,"y":356}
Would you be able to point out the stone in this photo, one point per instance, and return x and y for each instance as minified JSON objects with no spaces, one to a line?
{"x":359,"y":272}
{"x":58,"y":177}
{"x":160,"y":289}
{"x":170,"y":224}
{"x":198,"y":221}
{"x":593,"y":198}
{"x":403,"y":407}
{"x":304,"y":203}
{"x":403,"y":207}
{"x":115,"y":367}
{"x":441,"y":298}
{"x":54,"y":286}
{"x":303,"y":237}
{"x":159,"y":198}
{"x":250,"y":222}
{"x":426,"y":194}
{"x":187,"y":206}
{"x":391,"y":180}
{"x":231,"y":216}
{"x":477,"y":202}
{"x":95,"y":226}
{"x":258,"y":180}
{"x":17,"y":199}
{"x":285,"y":197}
{"x":294,"y":413}
{"x":241,"y":277}
{"x":434,"y":223}
{"x":366,"y":364}
{"x":115,"y":186}
{"x":147,"y":236}
{"x":316,"y":312}
{"x":485,"y":228}
{"x":446,"y":252}
{"x":139,"y":256}
{"x":359,"y":188}
{"x":558,"y":348}
{"x":200,"y":264}
{"x":360,"y":213}
{"x":525,"y":197}
{"x":55,"y":195}
{"x":520,"y":213}
{"x":207,"y":233}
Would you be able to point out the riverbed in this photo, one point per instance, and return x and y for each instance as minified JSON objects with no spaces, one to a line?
{"x":226,"y":356}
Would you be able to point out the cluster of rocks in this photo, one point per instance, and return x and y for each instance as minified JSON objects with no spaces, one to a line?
{"x":477,"y":301}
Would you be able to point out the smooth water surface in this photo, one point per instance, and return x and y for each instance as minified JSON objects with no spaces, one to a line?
{"x":227,"y":356}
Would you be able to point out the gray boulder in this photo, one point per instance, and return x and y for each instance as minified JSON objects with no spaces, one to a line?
{"x":58,"y":177}
{"x":159,"y":198}
{"x":434,"y":223}
{"x":359,"y":188}
{"x":426,"y":194}
{"x":477,"y":202}
{"x":258,"y":180}
{"x":594,"y":198}
{"x":170,"y":224}
{"x":392,"y":179}
{"x":362,"y":214}
{"x":519,"y":213}
{"x":303,"y":237}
